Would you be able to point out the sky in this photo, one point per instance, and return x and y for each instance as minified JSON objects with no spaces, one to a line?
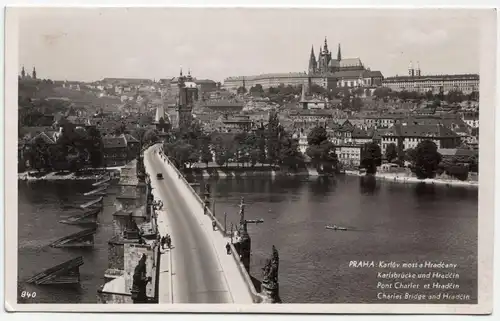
{"x":90,"y":44}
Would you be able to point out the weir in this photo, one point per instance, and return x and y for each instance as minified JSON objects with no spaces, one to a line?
{"x":87,"y":218}
{"x":92,"y":203}
{"x":83,"y":238}
{"x":102,"y":182}
{"x":64,"y":273}
{"x":101,"y":191}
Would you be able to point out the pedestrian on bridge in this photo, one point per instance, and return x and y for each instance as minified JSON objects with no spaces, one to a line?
{"x":162,"y":241}
{"x":228,"y":248}
{"x":214,"y":224}
{"x":169,"y":241}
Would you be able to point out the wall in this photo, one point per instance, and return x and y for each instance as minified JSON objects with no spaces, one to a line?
{"x":115,"y":255}
{"x":132,"y":255}
{"x":111,"y":298}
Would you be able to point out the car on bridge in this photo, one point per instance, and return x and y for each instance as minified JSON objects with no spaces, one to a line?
{"x":159,"y":176}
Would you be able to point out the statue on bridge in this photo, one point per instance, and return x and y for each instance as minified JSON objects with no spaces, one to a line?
{"x":140,"y":280}
{"x":270,"y":270}
{"x":270,"y":284}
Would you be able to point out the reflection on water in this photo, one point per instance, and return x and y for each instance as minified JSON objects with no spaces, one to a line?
{"x":390,"y":221}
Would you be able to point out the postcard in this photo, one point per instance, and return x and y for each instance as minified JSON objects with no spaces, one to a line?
{"x":269,"y":160}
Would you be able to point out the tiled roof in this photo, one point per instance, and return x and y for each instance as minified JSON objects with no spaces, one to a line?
{"x":45,"y":138}
{"x":438,"y":131}
{"x":114,"y":142}
{"x":131,"y":139}
{"x":360,"y":133}
{"x":349,"y":74}
{"x":349,"y":62}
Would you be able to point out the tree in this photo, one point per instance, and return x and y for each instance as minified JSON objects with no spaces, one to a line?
{"x":290,"y":156}
{"x":272,"y":138}
{"x":150,"y":136}
{"x":358,"y":91}
{"x":455,"y":96}
{"x":427,"y":159}
{"x":241,"y":90}
{"x":371,"y":157}
{"x":120,"y":129}
{"x":381,"y":92}
{"x":257,"y":90}
{"x":321,"y":150}
{"x":206,"y":153}
{"x":261,"y":146}
{"x":391,"y":152}
{"x":95,"y":146}
{"x":345,"y":103}
{"x":357,"y":104}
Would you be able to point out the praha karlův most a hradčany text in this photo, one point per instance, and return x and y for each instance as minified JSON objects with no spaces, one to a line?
{"x":147,"y":149}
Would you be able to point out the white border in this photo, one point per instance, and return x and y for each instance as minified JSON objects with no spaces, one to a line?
{"x":485,"y":221}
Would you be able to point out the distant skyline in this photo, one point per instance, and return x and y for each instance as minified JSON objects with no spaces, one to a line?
{"x":92,"y":44}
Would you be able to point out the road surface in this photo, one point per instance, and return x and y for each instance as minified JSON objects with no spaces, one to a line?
{"x":197,"y":275}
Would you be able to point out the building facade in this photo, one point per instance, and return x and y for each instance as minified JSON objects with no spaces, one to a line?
{"x":465,"y":83}
{"x":409,"y":136}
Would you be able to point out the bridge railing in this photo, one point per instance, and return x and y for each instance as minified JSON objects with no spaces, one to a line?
{"x":255,"y":296}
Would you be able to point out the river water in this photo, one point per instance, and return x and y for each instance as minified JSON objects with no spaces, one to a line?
{"x":389,"y":221}
{"x":41,"y":205}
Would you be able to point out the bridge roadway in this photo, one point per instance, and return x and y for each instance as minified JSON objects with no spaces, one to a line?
{"x":200,"y":267}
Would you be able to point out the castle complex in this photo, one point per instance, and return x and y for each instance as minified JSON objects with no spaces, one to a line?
{"x":326,"y":71}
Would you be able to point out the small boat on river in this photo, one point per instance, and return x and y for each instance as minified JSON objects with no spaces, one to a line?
{"x":335,"y":227}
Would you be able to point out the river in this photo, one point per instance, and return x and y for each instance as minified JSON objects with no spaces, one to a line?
{"x":41,"y":206}
{"x":389,"y":221}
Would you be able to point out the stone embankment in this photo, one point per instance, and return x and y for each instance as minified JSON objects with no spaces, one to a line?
{"x":64,"y":176}
{"x":403,"y":178}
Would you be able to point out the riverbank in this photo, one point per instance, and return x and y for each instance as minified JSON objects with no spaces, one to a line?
{"x":241,"y":172}
{"x":64,"y":176}
{"x":402,"y":178}
{"x":267,"y":171}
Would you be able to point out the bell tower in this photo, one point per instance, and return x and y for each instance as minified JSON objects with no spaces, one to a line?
{"x":185,"y":101}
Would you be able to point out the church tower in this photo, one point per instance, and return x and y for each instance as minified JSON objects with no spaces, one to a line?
{"x":23,"y":73}
{"x":418,"y":69}
{"x":411,"y":71}
{"x":312,"y":62}
{"x":185,"y":101}
{"x":339,"y":54}
{"x":34,"y":73}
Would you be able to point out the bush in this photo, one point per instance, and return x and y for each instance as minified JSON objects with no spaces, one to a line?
{"x":460,"y":172}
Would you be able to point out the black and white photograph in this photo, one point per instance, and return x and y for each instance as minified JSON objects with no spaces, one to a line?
{"x":320,"y":160}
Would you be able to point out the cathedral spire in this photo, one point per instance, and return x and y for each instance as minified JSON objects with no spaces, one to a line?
{"x":339,"y":54}
{"x":326,"y":46}
{"x":23,"y":73}
{"x":312,"y":61}
{"x":34,"y":73}
{"x":181,"y":72}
